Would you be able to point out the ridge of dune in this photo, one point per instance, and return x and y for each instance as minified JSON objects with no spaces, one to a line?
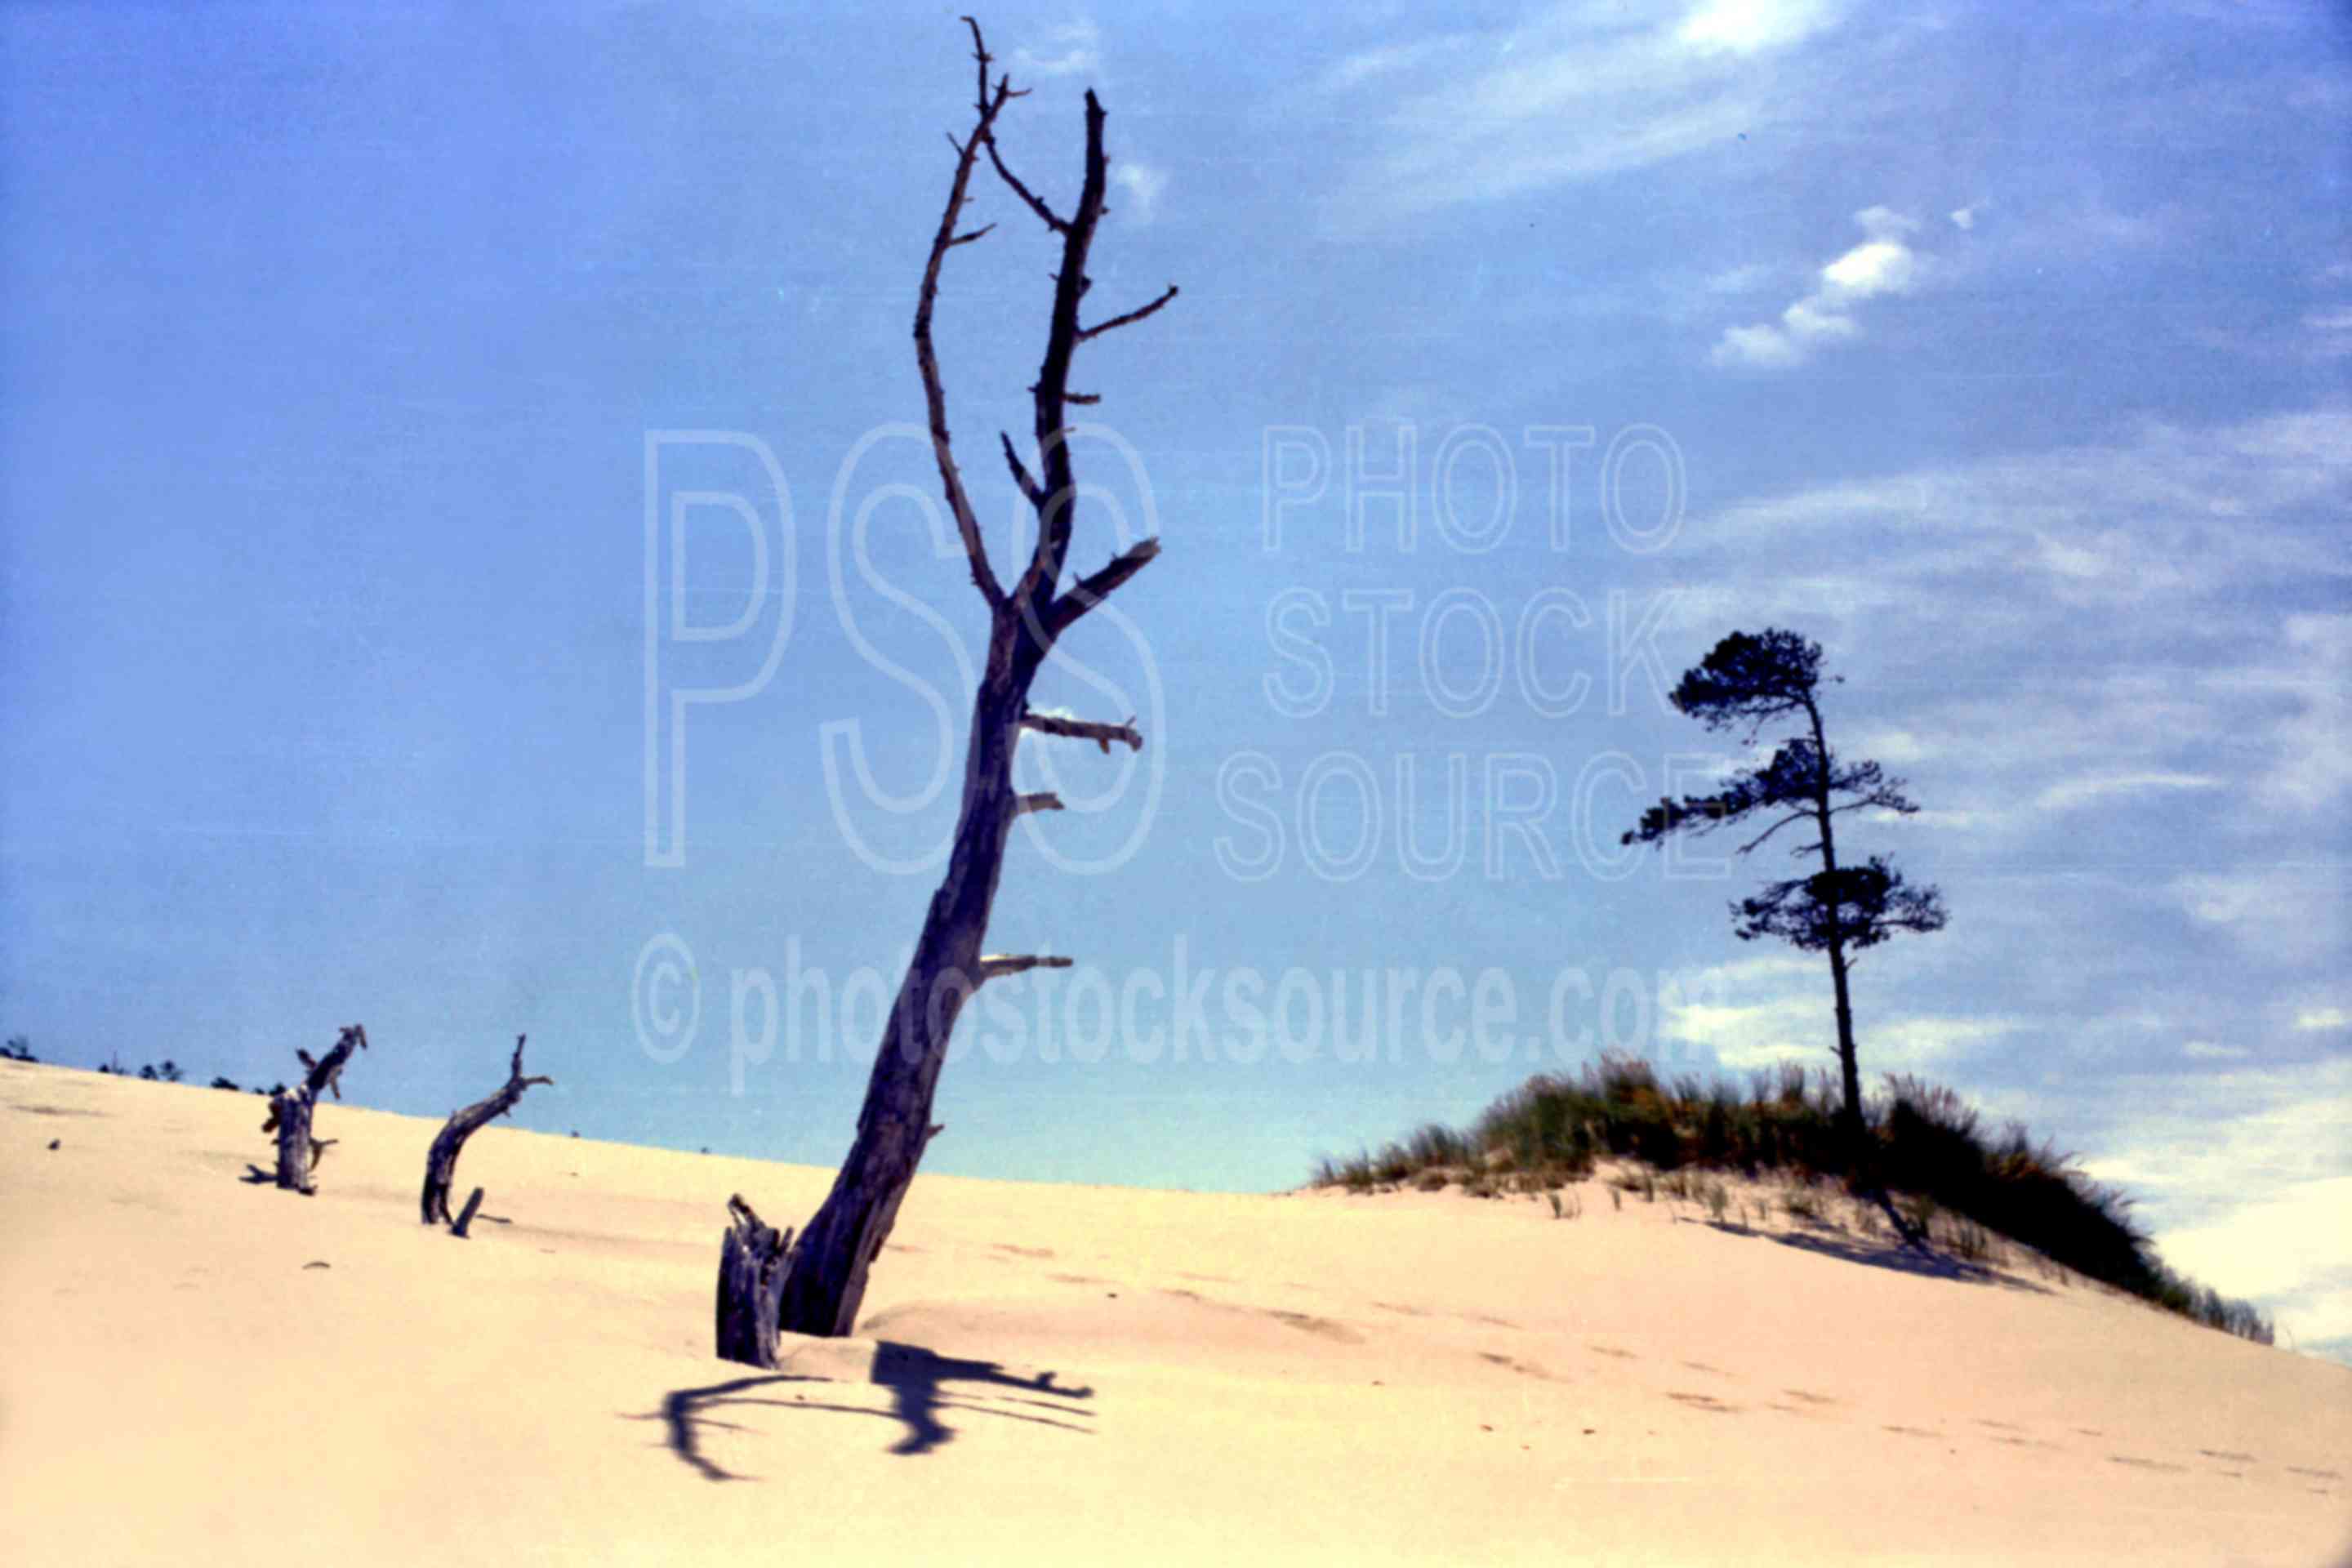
{"x":204,"y":1368}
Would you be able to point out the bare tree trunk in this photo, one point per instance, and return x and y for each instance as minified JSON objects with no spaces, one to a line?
{"x":441,"y":1162}
{"x":289,"y":1111}
{"x":819,"y":1283}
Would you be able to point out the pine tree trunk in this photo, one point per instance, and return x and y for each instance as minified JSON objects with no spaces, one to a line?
{"x":1849,"y":1068}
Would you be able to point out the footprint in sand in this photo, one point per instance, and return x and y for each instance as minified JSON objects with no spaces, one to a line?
{"x":1909,"y":1431}
{"x":1023,"y":1251}
{"x":2228,"y":1454}
{"x":2314,"y":1475}
{"x":1702,"y":1366}
{"x":1809,"y":1398}
{"x":2138,"y":1463}
{"x":1306,"y":1323}
{"x":1525,"y":1369}
{"x":1077,"y":1280}
{"x":1612,"y":1350}
{"x":1703,"y":1402}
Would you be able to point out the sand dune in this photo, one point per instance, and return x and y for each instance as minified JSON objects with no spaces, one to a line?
{"x":199,"y":1369}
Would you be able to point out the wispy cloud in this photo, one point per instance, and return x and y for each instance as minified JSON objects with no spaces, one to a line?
{"x":1884,"y":263}
{"x":1071,"y":50}
{"x":1141,"y":186}
{"x":1578,"y":91}
{"x":2275,"y":920}
{"x":1756,"y":1012}
{"x":2095,"y":788}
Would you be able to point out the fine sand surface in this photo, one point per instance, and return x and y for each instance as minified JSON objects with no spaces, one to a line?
{"x":1049,"y":1373}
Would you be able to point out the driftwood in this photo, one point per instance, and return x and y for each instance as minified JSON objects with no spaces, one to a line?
{"x":289,"y":1111}
{"x":441,"y":1162}
{"x":766,"y":1284}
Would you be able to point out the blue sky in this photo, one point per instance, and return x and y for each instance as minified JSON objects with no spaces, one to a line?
{"x":2003,"y":352}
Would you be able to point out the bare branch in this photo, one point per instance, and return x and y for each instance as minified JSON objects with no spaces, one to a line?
{"x":1793,"y":816}
{"x":975,"y":234}
{"x":1087,"y":592}
{"x":1029,"y":489}
{"x":1083,"y":399}
{"x":1101,"y":735}
{"x":1130,"y":318}
{"x":993,"y":965}
{"x":926,"y":361}
{"x":1044,"y":800}
{"x":1036,"y":203}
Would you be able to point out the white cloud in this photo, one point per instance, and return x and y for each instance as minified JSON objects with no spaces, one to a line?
{"x":2323,"y":1018}
{"x":2311,"y":768}
{"x":2193,"y":1148}
{"x":1885,"y":223}
{"x":1578,"y":91}
{"x":1142,"y":186}
{"x":1966,"y":217}
{"x":1738,"y":279}
{"x":2286,"y":1253}
{"x":1068,"y":50}
{"x":2211,"y":1051}
{"x":1883,"y":264}
{"x":2276,"y":918}
{"x":2076,"y":792}
{"x":1756,"y":1012}
{"x":1751,"y":26}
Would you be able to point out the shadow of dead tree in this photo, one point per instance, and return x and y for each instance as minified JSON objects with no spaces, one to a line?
{"x":918,"y":1380}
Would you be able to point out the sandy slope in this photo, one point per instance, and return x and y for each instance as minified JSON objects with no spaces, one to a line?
{"x":1050,"y":1374}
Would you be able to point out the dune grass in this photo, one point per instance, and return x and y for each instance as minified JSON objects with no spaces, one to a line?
{"x":1928,"y":1144}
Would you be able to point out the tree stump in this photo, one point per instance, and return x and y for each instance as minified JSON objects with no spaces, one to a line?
{"x":751,"y":1283}
{"x":290,"y":1111}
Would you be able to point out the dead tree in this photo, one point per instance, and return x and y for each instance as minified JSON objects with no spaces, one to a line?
{"x":441,"y":1163}
{"x":818,"y":1283}
{"x":290,"y":1110}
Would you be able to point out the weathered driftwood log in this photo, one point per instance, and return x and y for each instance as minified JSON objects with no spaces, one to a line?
{"x":751,"y":1277}
{"x":290,"y":1110}
{"x":823,"y":1279}
{"x":441,"y":1162}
